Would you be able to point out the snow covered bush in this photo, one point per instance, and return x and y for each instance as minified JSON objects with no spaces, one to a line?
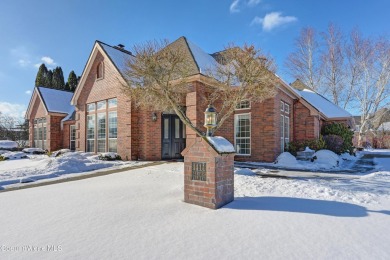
{"x":109,"y":156}
{"x":13,"y":155}
{"x":59,"y":152}
{"x":334,"y":143}
{"x":326,"y":158}
{"x":34,"y":151}
{"x":286,"y":159}
{"x":6,"y":144}
{"x":297,"y":146}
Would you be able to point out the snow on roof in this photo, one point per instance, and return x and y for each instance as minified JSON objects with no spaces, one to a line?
{"x":326,"y":107}
{"x":204,"y":60}
{"x":384,"y":126}
{"x":117,"y":56}
{"x":221,"y":144}
{"x":56,"y":100}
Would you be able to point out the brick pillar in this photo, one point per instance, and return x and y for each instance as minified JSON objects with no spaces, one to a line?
{"x":208,"y":174}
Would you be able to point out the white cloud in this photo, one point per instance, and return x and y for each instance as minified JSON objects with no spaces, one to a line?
{"x":252,"y":3}
{"x":48,"y":60}
{"x":234,"y":6}
{"x":24,"y":62}
{"x":15,"y":110}
{"x":273,"y":20}
{"x":28,"y":92}
{"x":37,"y":65}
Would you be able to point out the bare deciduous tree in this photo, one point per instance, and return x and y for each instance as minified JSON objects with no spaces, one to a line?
{"x":303,"y":63}
{"x":333,"y":66}
{"x":14,"y":129}
{"x":372,"y":87}
{"x":159,"y":78}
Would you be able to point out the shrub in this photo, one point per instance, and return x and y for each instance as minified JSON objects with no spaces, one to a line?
{"x":314,"y":144}
{"x":334,"y":143}
{"x":341,"y":130}
{"x":109,"y":157}
{"x":2,"y":158}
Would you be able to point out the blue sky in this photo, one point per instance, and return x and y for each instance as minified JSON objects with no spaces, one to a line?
{"x":62,"y":33}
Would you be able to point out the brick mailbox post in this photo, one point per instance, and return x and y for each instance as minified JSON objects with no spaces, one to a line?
{"x":209,"y":172}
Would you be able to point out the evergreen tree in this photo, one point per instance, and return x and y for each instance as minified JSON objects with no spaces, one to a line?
{"x":58,"y":79}
{"x":40,"y":80}
{"x":72,"y":81}
{"x":49,"y":79}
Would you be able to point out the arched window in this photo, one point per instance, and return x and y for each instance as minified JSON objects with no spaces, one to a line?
{"x":99,"y":72}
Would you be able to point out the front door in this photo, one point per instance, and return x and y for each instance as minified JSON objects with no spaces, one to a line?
{"x":173,"y":137}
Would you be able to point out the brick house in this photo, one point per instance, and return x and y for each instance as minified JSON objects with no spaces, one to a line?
{"x":46,"y":113}
{"x":105,"y":119}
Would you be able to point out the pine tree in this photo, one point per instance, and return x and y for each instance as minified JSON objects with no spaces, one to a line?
{"x":72,"y":81}
{"x":40,"y":80}
{"x":58,"y":79}
{"x":49,"y":79}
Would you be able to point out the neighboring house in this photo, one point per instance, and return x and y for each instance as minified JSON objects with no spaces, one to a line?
{"x":104,"y":119}
{"x":377,"y":133}
{"x":47,"y":108}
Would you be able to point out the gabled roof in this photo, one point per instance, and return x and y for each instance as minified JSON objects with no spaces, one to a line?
{"x":118,"y":57}
{"x":53,"y":100}
{"x":56,"y":101}
{"x":319,"y":102}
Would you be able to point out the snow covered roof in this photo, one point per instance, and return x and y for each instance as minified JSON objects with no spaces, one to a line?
{"x":57,"y":101}
{"x":204,"y":60}
{"x":323,"y":105}
{"x":119,"y":57}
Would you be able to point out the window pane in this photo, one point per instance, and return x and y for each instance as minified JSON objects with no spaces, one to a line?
{"x":112,"y":103}
{"x":112,"y":125}
{"x":112,"y":145}
{"x":91,"y":107}
{"x":101,"y":105}
{"x":243,"y":104}
{"x":90,"y":145}
{"x":166,"y":128}
{"x":282,"y":126}
{"x":177,"y":128}
{"x":91,"y":127}
{"x":281,"y":106}
{"x":101,"y":125}
{"x":287,"y":108}
{"x":243,"y":133}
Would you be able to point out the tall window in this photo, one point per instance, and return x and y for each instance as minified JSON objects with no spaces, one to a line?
{"x":112,"y":131}
{"x":101,"y":132}
{"x":284,"y":125}
{"x":99,"y":71}
{"x":106,"y":125}
{"x":242,"y":134}
{"x":91,"y":133}
{"x":72,"y":138}
{"x":40,"y":133}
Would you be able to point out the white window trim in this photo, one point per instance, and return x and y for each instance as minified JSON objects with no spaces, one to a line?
{"x":250,"y":105}
{"x":250,"y":135}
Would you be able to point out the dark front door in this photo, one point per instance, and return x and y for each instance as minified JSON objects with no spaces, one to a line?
{"x":173,"y":137}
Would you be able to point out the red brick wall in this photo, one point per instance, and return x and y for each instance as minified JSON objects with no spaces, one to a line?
{"x":306,"y":126}
{"x":95,"y":90}
{"x":54,"y":133}
{"x":66,"y":133}
{"x":37,"y":111}
{"x":218,"y":188}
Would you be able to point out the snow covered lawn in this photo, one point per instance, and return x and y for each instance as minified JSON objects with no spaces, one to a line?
{"x":18,"y":170}
{"x":139,"y":214}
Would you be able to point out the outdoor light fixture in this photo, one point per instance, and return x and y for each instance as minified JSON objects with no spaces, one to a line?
{"x":210,"y":119}
{"x":154,"y":116}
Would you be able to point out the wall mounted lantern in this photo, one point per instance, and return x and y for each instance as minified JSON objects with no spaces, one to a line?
{"x":210,"y":119}
{"x":154,"y":117}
